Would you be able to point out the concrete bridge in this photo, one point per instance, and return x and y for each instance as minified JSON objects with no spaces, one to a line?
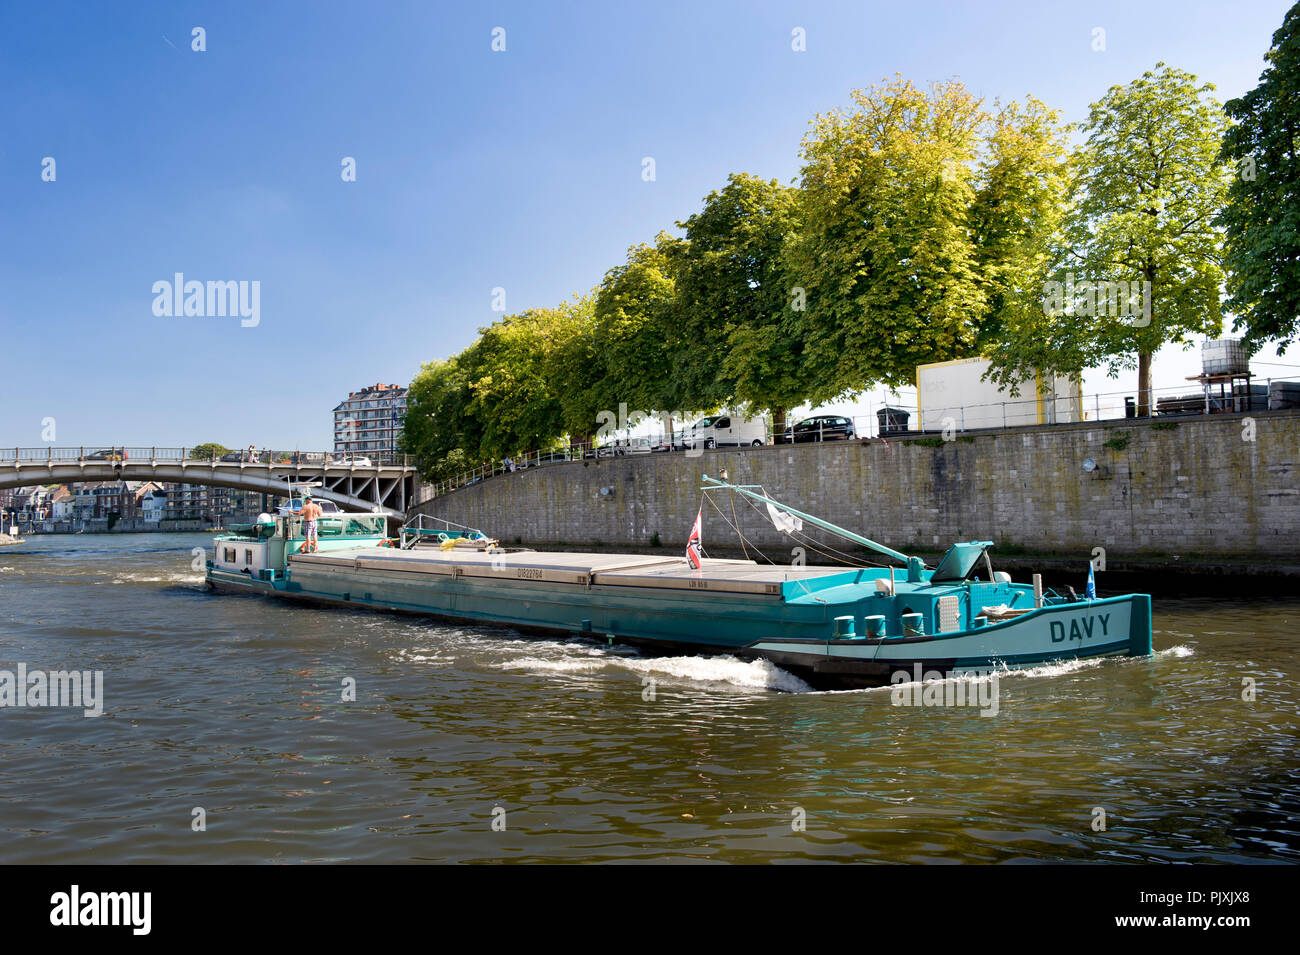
{"x":379,"y":481}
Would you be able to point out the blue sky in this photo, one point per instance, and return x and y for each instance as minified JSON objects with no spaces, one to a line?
{"x":475,"y":170}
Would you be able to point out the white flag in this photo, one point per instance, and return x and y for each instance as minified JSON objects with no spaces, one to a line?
{"x":784,"y":522}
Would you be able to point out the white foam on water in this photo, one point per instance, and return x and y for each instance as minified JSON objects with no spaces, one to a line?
{"x":1060,"y":668}
{"x":728,"y":670}
{"x":412,"y":656}
{"x":1046,"y":670}
{"x":189,"y":578}
{"x":553,"y":666}
{"x":975,"y":676}
{"x":1176,"y":652}
{"x":755,"y":674}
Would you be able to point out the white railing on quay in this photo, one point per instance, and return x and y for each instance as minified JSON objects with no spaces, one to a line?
{"x":1243,"y":396}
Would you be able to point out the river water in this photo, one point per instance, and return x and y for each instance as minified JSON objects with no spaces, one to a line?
{"x":469,"y":745}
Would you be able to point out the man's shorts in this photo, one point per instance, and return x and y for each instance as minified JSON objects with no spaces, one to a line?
{"x":309,"y":529}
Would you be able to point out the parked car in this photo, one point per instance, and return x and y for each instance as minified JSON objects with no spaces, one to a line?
{"x":632,"y":446}
{"x":722,"y":431}
{"x":820,"y":428}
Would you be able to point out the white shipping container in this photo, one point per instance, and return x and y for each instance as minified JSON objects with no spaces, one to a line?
{"x":953,"y":390}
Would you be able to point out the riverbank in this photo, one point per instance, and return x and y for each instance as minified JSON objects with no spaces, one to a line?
{"x":1216,"y":494}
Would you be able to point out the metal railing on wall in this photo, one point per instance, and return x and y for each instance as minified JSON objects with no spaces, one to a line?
{"x":902,"y":421}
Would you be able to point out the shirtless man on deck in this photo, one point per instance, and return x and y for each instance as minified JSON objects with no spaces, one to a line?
{"x":311,"y":513}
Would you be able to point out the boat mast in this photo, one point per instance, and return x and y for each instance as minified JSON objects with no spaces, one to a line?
{"x":825,"y":525}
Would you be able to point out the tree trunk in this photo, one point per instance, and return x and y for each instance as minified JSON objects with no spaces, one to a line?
{"x":1144,"y":384}
{"x":778,"y":421}
{"x":1144,"y":357}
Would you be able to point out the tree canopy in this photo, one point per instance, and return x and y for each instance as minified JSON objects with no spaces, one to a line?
{"x":1017,"y":220}
{"x":923,"y":227}
{"x":1262,"y":217}
{"x":1137,"y":260}
{"x":207,"y":450}
{"x":733,"y":299}
{"x":885,"y":251}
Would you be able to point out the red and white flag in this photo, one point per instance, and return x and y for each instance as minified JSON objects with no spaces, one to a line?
{"x":694,"y":542}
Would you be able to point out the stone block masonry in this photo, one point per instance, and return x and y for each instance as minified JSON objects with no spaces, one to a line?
{"x":1195,"y":487}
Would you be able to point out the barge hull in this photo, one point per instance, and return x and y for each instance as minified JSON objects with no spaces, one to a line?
{"x":750,"y":623}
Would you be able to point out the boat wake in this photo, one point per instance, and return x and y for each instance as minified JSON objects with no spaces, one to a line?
{"x":432,"y":659}
{"x":1061,"y":668}
{"x":1048,"y":670}
{"x":176,"y":578}
{"x":725,"y":671}
{"x":1177,"y":652}
{"x":579,"y":657}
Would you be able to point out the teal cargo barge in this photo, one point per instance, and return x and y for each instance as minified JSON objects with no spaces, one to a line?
{"x":833,"y":626}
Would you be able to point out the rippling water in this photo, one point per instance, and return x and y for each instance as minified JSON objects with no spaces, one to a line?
{"x":233,"y":704}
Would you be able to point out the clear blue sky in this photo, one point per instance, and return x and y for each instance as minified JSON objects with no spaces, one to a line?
{"x":475,"y":170}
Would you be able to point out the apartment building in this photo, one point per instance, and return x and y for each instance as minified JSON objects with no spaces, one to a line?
{"x":369,"y":420}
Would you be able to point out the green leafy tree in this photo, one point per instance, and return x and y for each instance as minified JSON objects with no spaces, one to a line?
{"x":437,"y":431}
{"x":207,"y":451}
{"x":733,"y":300}
{"x":1262,"y":218}
{"x":885,"y":253}
{"x":577,"y":369}
{"x":638,"y":335}
{"x":1149,"y":186}
{"x":514,"y":401}
{"x":512,"y":390}
{"x":1017,"y":220}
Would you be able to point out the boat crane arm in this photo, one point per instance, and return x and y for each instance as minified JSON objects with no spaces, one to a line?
{"x":714,"y":483}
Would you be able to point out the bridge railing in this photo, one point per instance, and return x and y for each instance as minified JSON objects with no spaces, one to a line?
{"x":47,"y":454}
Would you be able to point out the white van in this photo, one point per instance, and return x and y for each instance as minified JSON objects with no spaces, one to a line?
{"x":726,"y":431}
